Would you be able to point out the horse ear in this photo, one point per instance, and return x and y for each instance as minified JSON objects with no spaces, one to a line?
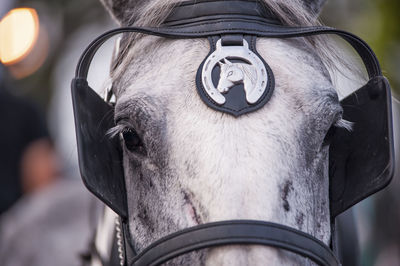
{"x":315,"y":6}
{"x":123,"y":11}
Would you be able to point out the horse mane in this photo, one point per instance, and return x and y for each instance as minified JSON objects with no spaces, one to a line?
{"x":248,"y":71}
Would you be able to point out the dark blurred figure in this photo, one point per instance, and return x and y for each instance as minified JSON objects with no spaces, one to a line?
{"x":45,"y":218}
{"x":27,"y":157}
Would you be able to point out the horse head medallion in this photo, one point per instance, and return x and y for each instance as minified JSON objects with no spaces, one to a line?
{"x":236,"y":73}
{"x":234,"y":79}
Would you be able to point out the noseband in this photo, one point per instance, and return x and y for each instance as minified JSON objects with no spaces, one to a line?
{"x":232,"y":28}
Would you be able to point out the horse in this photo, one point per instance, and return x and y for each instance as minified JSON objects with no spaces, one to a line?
{"x":186,"y":164}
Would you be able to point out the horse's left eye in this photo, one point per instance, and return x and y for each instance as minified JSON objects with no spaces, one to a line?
{"x":230,"y":73}
{"x":132,"y":141}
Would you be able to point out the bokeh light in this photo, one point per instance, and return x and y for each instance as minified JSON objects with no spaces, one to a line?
{"x":19,"y":30}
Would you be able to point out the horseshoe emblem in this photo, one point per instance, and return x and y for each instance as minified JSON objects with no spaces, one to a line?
{"x":250,"y":71}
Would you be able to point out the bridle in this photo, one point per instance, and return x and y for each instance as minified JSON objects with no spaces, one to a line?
{"x":234,"y":23}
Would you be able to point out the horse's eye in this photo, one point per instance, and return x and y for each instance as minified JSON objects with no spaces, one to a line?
{"x":329,"y":135}
{"x":132,"y":140}
{"x":230,"y":73}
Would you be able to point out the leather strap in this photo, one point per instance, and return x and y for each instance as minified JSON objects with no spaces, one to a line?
{"x":201,"y":10}
{"x":233,"y":26}
{"x":235,"y":40}
{"x":241,"y":232}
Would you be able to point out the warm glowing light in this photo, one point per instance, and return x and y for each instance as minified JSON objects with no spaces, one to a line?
{"x":19,"y":31}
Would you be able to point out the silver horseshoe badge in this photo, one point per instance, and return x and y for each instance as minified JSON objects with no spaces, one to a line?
{"x":238,"y":66}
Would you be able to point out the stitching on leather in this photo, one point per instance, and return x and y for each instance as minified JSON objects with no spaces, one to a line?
{"x":208,"y":1}
{"x":371,"y":67}
{"x":351,"y":39}
{"x":242,"y":20}
{"x":313,"y":240}
{"x":369,"y":59}
{"x":269,"y":240}
{"x":210,"y":18}
{"x":227,"y":30}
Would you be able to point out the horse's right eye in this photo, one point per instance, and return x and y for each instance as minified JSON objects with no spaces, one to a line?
{"x":132,"y":141}
{"x":230,"y":73}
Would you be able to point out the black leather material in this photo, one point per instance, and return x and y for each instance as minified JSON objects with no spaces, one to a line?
{"x":99,"y":156}
{"x":236,"y":103}
{"x":128,"y":242}
{"x":233,"y":26}
{"x":202,"y":10}
{"x":232,"y":40}
{"x":243,"y":232}
{"x":361,"y":162}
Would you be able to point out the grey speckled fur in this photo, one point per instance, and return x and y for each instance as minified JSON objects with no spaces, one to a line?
{"x":202,"y":165}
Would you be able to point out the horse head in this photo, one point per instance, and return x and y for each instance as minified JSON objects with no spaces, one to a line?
{"x":186,"y":164}
{"x":230,"y":75}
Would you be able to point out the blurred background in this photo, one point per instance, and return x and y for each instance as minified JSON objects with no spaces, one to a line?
{"x":36,"y":76}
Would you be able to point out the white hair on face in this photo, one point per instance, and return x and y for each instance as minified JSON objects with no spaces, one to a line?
{"x":205,"y":166}
{"x":216,"y":158}
{"x":348,"y":125}
{"x":114,"y":131}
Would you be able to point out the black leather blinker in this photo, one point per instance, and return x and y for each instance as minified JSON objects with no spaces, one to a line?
{"x":361,"y":162}
{"x":100,"y":158}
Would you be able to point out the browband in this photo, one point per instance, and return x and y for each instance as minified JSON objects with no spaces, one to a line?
{"x":235,"y":232}
{"x":235,"y":26}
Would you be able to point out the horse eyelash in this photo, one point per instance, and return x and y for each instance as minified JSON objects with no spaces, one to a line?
{"x":114,"y":131}
{"x":342,"y":123}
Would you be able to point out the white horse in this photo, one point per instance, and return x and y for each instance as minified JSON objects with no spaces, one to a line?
{"x":186,"y":164}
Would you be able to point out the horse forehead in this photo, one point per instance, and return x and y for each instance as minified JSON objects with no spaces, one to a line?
{"x":170,"y":78}
{"x":295,"y":65}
